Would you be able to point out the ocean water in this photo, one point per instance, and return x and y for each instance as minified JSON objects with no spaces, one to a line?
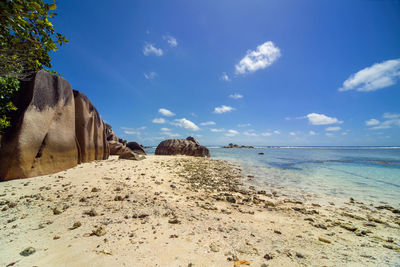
{"x":368,"y":174}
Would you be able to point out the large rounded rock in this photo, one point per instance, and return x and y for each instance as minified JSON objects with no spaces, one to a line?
{"x":42,"y":138}
{"x":135,"y":147}
{"x":188,"y":146}
{"x":90,"y":130}
{"x":52,"y":130}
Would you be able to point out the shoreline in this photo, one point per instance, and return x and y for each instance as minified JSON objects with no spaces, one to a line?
{"x":178,"y":210}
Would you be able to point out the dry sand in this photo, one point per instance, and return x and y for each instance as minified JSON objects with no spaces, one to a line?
{"x":183,"y":211}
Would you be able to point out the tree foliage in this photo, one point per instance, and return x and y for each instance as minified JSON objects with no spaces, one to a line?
{"x":26,"y":39}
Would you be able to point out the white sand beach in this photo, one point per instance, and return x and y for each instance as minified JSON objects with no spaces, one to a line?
{"x":182,"y":211}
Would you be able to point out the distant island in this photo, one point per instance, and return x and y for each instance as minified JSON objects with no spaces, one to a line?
{"x":236,"y":146}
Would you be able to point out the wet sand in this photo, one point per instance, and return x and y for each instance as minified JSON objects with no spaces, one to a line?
{"x":183,"y":211}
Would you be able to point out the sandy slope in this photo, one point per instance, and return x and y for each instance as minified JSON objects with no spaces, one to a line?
{"x":177,"y":211}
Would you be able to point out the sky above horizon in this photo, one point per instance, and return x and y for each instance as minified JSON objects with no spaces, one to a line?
{"x":252,"y":72}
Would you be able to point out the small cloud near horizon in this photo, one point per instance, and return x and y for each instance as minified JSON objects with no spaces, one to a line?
{"x":217,"y":130}
{"x":390,"y":120}
{"x":333,"y":129}
{"x":159,"y":120}
{"x":321,"y":119}
{"x":207,"y":123}
{"x":186,"y":124}
{"x":223,"y":109}
{"x":232,"y":133}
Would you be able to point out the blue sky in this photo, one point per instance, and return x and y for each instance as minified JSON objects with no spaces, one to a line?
{"x":251,"y":72}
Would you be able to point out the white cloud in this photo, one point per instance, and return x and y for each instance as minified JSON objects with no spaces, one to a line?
{"x":329,"y":134}
{"x":312,"y":133}
{"x":266,"y":134}
{"x":186,"y":124}
{"x":250,"y":133}
{"x":260,"y":58}
{"x":170,"y":134}
{"x":292,"y":133}
{"x":150,"y":49}
{"x":372,"y":122}
{"x":223,"y":109}
{"x":277,"y":132}
{"x":165,"y":129}
{"x":225,"y":77}
{"x":170,"y":40}
{"x":391,"y":119}
{"x":166,"y":112}
{"x":133,"y":131}
{"x":150,"y":75}
{"x":217,"y":130}
{"x":333,"y":129}
{"x":244,"y":125}
{"x":388,"y":115}
{"x":321,"y":119}
{"x":377,"y":76}
{"x":236,"y":96}
{"x":159,"y":120}
{"x":207,"y":123}
{"x":232,"y":133}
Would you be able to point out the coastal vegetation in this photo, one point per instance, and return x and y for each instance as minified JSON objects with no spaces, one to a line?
{"x":27,"y":37}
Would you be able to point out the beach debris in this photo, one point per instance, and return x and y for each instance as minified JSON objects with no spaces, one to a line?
{"x":118,"y":198}
{"x":76,"y":225}
{"x":325,"y":240}
{"x":28,"y":251}
{"x":95,"y":189}
{"x":299,"y":255}
{"x":320,"y":225}
{"x":57,"y":210}
{"x":99,"y":230}
{"x":103,"y":251}
{"x":238,"y":263}
{"x":348,"y":227}
{"x":230,"y":199}
{"x":214,"y":247}
{"x":173,"y":221}
{"x":277,"y":232}
{"x":373,"y":219}
{"x":268,"y":257}
{"x":92,"y":212}
{"x":56,"y":237}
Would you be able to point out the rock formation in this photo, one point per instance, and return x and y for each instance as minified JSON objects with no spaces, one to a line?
{"x":90,"y":130}
{"x":128,"y":154}
{"x":135,"y":147}
{"x":188,"y":146}
{"x":121,"y":148}
{"x":48,"y":131}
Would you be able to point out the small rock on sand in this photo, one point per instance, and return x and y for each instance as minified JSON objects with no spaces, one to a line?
{"x":28,"y":251}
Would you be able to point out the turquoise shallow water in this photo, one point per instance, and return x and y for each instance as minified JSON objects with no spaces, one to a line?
{"x":366,"y":174}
